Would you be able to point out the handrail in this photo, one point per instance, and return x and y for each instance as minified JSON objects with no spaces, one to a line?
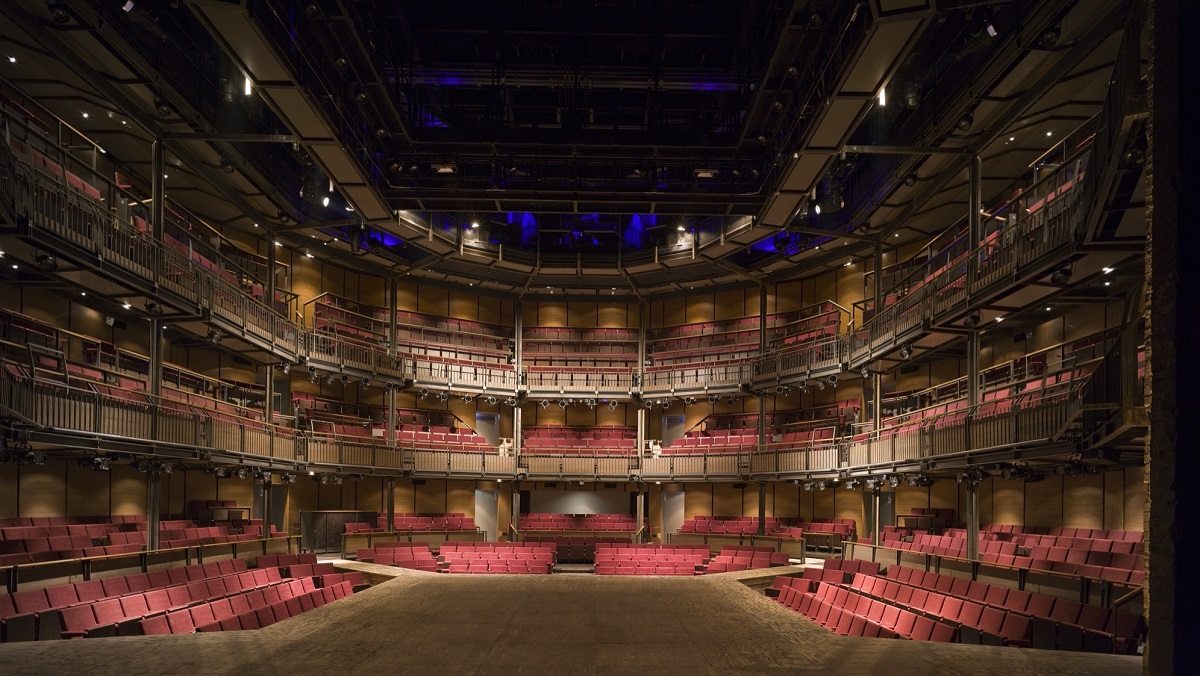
{"x":515,"y":532}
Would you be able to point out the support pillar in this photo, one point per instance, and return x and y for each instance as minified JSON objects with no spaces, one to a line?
{"x":640,"y":511}
{"x":762,"y":509}
{"x":270,"y":384}
{"x":157,"y":224}
{"x":265,"y":486}
{"x":516,"y":506}
{"x":876,"y":374}
{"x":389,"y":503}
{"x":1172,"y":337}
{"x":973,"y":520}
{"x":876,"y":538}
{"x":153,"y":484}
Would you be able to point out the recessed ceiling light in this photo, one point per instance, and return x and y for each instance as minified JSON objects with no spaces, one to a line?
{"x":124,"y":122}
{"x":1049,"y":133}
{"x":278,"y":243}
{"x":1108,"y":284}
{"x":126,"y":306}
{"x":12,"y":59}
{"x":679,"y":228}
{"x":1047,"y":308}
{"x":474,"y":224}
{"x":1106,"y":270}
{"x":256,"y":225}
{"x":1012,"y":138}
{"x":83,"y":293}
{"x":849,"y":263}
{"x":14,"y":266}
{"x":999,"y":319}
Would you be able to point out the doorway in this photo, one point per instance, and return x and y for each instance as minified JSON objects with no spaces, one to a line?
{"x":672,"y":512}
{"x":887,"y":513}
{"x":485,"y":513}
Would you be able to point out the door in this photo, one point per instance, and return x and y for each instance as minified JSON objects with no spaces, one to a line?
{"x":887,"y":513}
{"x":672,"y":513}
{"x":485,"y":513}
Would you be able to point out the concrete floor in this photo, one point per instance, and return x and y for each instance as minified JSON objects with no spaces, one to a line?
{"x":559,"y":624}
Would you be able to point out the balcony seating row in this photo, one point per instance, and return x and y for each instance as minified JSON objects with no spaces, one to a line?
{"x":537,"y":521}
{"x":400,"y":554}
{"x":455,"y":521}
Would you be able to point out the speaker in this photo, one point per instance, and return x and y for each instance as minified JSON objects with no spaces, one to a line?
{"x":418,"y":482}
{"x":1022,"y":336}
{"x":910,"y":368}
{"x":739,"y":486}
{"x":550,"y":484}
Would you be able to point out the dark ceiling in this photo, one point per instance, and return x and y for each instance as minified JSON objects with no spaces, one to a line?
{"x":582,"y":146}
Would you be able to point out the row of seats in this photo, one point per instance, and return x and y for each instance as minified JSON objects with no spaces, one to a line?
{"x":251,"y":610}
{"x":537,"y":521}
{"x":428,"y":522}
{"x":24,"y":614}
{"x":576,"y":549}
{"x":1121,"y":568}
{"x":850,"y":614}
{"x":415,"y":556}
{"x":1054,"y":622}
{"x":734,"y":558}
{"x":515,"y":558}
{"x":651,"y":559}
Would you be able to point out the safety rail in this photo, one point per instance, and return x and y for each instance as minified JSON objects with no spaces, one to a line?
{"x":82,"y":568}
{"x":695,"y":465}
{"x":338,"y":353}
{"x":473,"y":375}
{"x":577,"y":465}
{"x":690,"y":377}
{"x":783,"y":458}
{"x":578,"y":381}
{"x":128,"y":415}
{"x":458,"y":463}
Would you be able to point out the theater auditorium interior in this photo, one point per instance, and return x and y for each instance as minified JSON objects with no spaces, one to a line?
{"x":451,"y":336}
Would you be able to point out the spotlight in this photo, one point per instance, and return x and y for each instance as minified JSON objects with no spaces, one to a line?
{"x":832,"y":378}
{"x":689,"y":400}
{"x":731,"y":401}
{"x":58,"y":12}
{"x":965,"y":122}
{"x":46,"y":263}
{"x":912,"y":98}
{"x":906,"y":352}
{"x":852,"y":484}
{"x":491,"y":401}
{"x":1061,"y":276}
{"x":510,"y":401}
{"x":893,"y":481}
{"x":329,"y":379}
{"x":666,"y":403}
{"x":163,"y":108}
{"x":562,"y":403}
{"x":612,"y":403}
{"x":424,"y":393}
{"x":388,"y":387}
{"x":227,"y":166}
{"x":1049,"y":37}
{"x":242,"y":473}
{"x":344,"y":378}
{"x":468,"y":398}
{"x":972,"y":319}
{"x":442,"y":396}
{"x":365,"y":382}
{"x":802,"y":385}
{"x":544,"y":404}
{"x":649,"y":404}
{"x":341,"y":63}
{"x":215,"y":335}
{"x":910,"y":180}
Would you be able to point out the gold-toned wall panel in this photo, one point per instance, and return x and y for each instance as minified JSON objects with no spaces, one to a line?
{"x":460,"y":497}
{"x":1083,"y":502}
{"x":464,"y":305}
{"x":406,"y":296}
{"x":433,"y":300}
{"x":786,"y":499}
{"x":241,"y":490}
{"x":734,"y":304}
{"x":551,"y":314}
{"x":1008,"y":503}
{"x":128,"y":491}
{"x":1135,"y":498}
{"x":699,"y":309}
{"x":697,"y":500}
{"x":822,"y":504}
{"x":87,"y":492}
{"x":1044,"y":503}
{"x":616,"y":315}
{"x":787,"y":297}
{"x":43,"y":490}
{"x":849,"y":505}
{"x":431,"y":498}
{"x":581,"y":315}
{"x":8,"y":490}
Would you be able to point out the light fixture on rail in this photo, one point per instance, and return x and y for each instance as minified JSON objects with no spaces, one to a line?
{"x":329,"y":379}
{"x":853,"y":484}
{"x":972,"y":319}
{"x":865,"y":371}
{"x":365,"y":382}
{"x":613,"y":403}
{"x":829,"y":199}
{"x":689,"y":400}
{"x":893,"y":480}
{"x":544,"y":403}
{"x":46,"y":262}
{"x":58,"y":12}
{"x":562,"y":403}
{"x":731,"y":401}
{"x":912,"y":98}
{"x":510,"y":401}
{"x":227,"y":165}
{"x":491,"y":401}
{"x":468,"y":398}
{"x":712,"y":399}
{"x":965,"y":122}
{"x":802,"y":385}
{"x":442,"y":396}
{"x":1061,"y":276}
{"x":591,"y":403}
{"x":832,"y":378}
{"x":666,"y":403}
{"x":1049,"y":37}
{"x":242,"y":473}
{"x":285,"y":367}
{"x":388,"y":387}
{"x":215,"y":335}
{"x":344,"y":378}
{"x":906,"y":352}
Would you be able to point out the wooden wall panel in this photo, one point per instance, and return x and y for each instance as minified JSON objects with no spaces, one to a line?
{"x":43,"y":490}
{"x":433,"y":300}
{"x":372,"y":290}
{"x":1008,"y":503}
{"x":944,"y":495}
{"x":241,"y":490}
{"x":699,"y":309}
{"x":697,"y":500}
{"x":823,"y":507}
{"x":1135,"y":498}
{"x":581,"y":315}
{"x":406,"y":296}
{"x":551,"y":314}
{"x":848,"y":504}
{"x":786,"y":500}
{"x":463,"y":305}
{"x":491,"y":310}
{"x":726,"y":500}
{"x":616,"y":315}
{"x":406,"y":497}
{"x":302,"y":497}
{"x":674,"y":312}
{"x":1083,"y":502}
{"x":735,"y":303}
{"x":431,"y":498}
{"x":503,"y":509}
{"x":1043,"y":502}
{"x":460,"y":497}
{"x":529,"y":314}
{"x":987,"y":503}
{"x":750,"y":500}
{"x":171,"y":493}
{"x":908,"y":497}
{"x":200,"y":486}
{"x":8,"y":490}
{"x":787,"y":297}
{"x":329,"y":496}
{"x":87,"y":492}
